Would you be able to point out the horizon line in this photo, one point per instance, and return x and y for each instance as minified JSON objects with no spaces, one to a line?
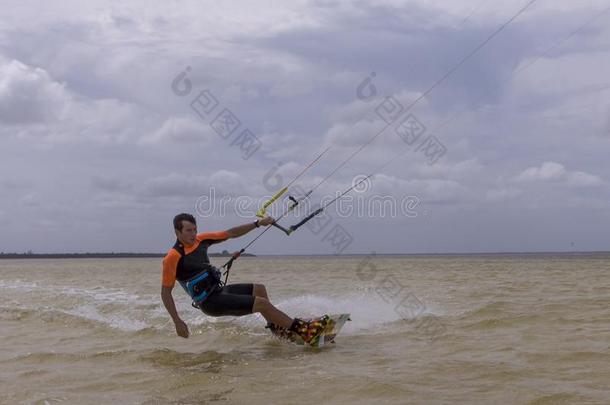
{"x":8,"y":255}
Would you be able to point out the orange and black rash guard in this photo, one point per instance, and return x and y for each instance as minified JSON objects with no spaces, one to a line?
{"x":176,"y":267}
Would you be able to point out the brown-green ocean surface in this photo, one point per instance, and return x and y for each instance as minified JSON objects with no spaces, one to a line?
{"x":493,"y":329}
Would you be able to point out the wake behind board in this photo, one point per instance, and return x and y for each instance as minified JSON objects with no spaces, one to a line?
{"x":332,"y":329}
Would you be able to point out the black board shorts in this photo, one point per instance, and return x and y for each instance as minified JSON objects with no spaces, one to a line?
{"x":232,"y":299}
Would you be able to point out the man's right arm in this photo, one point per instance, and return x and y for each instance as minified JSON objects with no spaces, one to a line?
{"x":170,"y":306}
{"x":170,"y":264}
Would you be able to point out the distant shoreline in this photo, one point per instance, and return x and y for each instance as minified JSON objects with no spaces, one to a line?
{"x":227,"y":254}
{"x":97,"y":255}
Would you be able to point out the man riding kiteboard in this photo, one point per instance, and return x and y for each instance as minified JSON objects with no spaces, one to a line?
{"x":188,"y":262}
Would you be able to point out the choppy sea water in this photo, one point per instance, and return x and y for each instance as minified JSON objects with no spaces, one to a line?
{"x":524,"y":329}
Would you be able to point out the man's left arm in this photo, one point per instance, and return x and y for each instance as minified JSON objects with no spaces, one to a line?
{"x":241,"y":230}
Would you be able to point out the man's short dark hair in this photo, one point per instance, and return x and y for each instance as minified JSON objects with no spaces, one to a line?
{"x":183,"y":217}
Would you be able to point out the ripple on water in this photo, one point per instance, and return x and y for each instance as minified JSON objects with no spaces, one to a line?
{"x":210,"y":359}
{"x":46,"y":357}
{"x":559,"y":399}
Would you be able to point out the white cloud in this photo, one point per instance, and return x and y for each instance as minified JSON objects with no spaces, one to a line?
{"x":556,"y":172}
{"x":229,"y":180}
{"x":584,"y":179}
{"x":33,"y":104}
{"x":354,"y":134}
{"x":468,"y":169}
{"x":32,"y":200}
{"x":224,"y":182}
{"x":353,"y":110}
{"x":549,"y":171}
{"x":429,"y":190}
{"x":28,"y":95}
{"x":174,"y":185}
{"x":180,"y":130}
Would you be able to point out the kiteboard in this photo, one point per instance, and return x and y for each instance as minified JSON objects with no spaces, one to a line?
{"x":331,"y":330}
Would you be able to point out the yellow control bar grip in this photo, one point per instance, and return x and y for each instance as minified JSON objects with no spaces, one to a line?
{"x":261,"y":212}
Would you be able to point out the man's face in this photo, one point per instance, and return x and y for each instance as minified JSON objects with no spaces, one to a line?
{"x":187,"y":235}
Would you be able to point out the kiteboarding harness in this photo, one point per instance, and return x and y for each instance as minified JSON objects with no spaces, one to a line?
{"x":196,"y":275}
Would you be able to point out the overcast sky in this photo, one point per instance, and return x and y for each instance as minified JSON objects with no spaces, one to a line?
{"x":101,"y":146}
